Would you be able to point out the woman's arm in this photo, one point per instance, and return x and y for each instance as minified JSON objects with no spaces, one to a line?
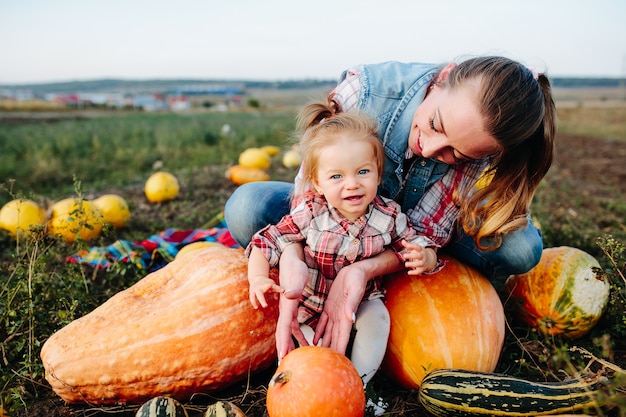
{"x":345,"y":296}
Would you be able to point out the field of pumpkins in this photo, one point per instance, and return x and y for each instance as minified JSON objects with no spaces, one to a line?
{"x":188,"y":330}
{"x":452,"y":372}
{"x":75,"y":218}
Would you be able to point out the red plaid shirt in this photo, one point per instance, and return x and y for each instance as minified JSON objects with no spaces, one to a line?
{"x":331,"y":242}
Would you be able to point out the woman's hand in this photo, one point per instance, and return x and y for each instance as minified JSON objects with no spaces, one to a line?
{"x":339,"y":313}
{"x":287,"y":319}
{"x":345,"y":295}
{"x":293,"y":275}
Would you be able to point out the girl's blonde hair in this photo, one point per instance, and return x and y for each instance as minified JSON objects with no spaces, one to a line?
{"x":318,"y":126}
{"x":519,"y":112}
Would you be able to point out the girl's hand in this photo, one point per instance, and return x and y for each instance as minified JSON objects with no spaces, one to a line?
{"x":418,"y":259}
{"x":258,"y":287}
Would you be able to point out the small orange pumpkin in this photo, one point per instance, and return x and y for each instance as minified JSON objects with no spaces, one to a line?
{"x":185,"y":328}
{"x":240,"y":174}
{"x":315,"y":381}
{"x":451,"y":319}
{"x":562,"y":295}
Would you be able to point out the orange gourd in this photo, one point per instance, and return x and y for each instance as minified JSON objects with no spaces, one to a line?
{"x":240,"y":174}
{"x":186,"y":328}
{"x":315,"y":381}
{"x":562,"y":295}
{"x":451,"y":319}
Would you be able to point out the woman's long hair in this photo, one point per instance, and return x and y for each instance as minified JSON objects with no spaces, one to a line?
{"x":519,"y":112}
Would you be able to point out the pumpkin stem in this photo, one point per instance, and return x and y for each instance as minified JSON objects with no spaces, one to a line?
{"x":280,"y":378}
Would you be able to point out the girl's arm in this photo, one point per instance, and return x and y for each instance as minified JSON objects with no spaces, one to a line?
{"x":259,"y":279}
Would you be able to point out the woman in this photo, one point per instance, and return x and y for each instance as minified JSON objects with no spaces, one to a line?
{"x":441,"y":127}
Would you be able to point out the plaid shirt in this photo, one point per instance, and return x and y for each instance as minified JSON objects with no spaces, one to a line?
{"x":437,"y":211}
{"x":332,"y":242}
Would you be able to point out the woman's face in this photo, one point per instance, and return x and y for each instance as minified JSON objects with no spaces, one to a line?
{"x":448,"y":127}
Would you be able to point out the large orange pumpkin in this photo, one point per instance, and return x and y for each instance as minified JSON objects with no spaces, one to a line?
{"x":315,"y":381}
{"x":186,"y":328}
{"x":451,"y":319}
{"x":562,"y":295}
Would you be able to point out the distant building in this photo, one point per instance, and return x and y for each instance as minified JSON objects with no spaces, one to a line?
{"x":150,"y":102}
{"x":178,"y":103}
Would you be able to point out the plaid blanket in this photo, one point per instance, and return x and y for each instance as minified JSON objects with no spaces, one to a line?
{"x":154,"y":252}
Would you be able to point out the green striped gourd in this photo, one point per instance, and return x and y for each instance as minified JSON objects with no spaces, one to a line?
{"x":161,"y":406}
{"x":461,"y":393}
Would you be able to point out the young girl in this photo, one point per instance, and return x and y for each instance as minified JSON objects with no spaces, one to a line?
{"x":340,"y":219}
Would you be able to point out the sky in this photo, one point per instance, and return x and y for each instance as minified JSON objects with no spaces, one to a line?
{"x":78,"y":40}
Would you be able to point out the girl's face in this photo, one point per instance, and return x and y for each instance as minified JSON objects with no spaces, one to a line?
{"x":448,"y":127}
{"x":347,"y":176}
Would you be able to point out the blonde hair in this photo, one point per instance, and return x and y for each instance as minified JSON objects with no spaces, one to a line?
{"x":519,"y":112}
{"x":318,"y":126}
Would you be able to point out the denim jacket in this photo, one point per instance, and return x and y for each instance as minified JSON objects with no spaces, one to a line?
{"x":392,"y":91}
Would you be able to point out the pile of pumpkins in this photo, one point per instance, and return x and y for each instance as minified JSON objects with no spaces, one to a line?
{"x":70,"y":218}
{"x":446,"y":328}
{"x":76,"y":218}
{"x":253,"y":163}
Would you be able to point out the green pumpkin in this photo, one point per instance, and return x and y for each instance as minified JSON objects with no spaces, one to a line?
{"x":162,"y":407}
{"x":563,"y":295}
{"x":224,"y":409}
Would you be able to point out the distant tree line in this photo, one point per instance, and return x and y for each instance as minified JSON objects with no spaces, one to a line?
{"x":586,"y":82}
{"x":164,"y":86}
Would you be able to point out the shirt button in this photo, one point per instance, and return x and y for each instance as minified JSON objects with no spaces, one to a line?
{"x":423,"y":163}
{"x":356,"y":241}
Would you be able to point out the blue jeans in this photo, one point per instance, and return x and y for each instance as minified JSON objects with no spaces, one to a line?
{"x":254,"y":205}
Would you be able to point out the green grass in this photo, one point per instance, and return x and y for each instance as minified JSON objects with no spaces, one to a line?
{"x":600,"y":122}
{"x":44,"y":158}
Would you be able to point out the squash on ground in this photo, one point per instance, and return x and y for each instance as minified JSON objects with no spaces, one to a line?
{"x":224,"y":409}
{"x":292,"y":159}
{"x":240,"y":174}
{"x":162,"y":407}
{"x":19,"y":215}
{"x":185,"y":328}
{"x":271,"y":150}
{"x":461,"y":393}
{"x":451,"y":319}
{"x":561,"y":296}
{"x":190,"y":247}
{"x":114,"y":209}
{"x":255,"y":158}
{"x":315,"y":381}
{"x":74,"y":218}
{"x":161,"y":187}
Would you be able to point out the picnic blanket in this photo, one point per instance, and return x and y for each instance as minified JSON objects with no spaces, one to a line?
{"x":154,"y":252}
